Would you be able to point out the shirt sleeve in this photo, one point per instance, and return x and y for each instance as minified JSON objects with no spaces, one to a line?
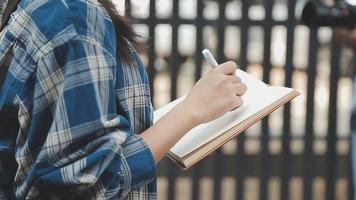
{"x":88,"y":148}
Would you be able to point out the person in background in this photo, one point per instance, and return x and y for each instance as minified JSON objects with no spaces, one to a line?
{"x":83,"y":105}
{"x":348,"y":38}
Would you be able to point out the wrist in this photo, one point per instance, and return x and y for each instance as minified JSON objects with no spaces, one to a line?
{"x":190,"y":113}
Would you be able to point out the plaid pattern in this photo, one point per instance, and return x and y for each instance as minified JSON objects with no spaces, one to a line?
{"x":80,"y":108}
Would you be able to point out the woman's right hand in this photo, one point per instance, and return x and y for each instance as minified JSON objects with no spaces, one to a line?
{"x":216,"y":93}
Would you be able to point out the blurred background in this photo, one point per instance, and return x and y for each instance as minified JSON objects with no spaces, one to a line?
{"x":301,"y":151}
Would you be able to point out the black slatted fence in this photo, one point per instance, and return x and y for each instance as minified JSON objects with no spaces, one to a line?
{"x":332,"y":167}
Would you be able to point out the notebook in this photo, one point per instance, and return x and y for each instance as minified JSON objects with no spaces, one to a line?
{"x":259,"y":100}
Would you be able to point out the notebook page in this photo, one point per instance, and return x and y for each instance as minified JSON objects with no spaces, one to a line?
{"x":257,"y":97}
{"x":166,"y":108}
{"x":252,"y":82}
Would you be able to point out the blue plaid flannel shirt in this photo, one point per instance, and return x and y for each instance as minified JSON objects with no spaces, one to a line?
{"x":80,"y":109}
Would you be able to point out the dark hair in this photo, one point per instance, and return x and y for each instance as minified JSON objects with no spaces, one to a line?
{"x":124,"y":31}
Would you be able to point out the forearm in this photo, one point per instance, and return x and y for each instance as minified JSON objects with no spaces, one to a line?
{"x":215,"y":94}
{"x":168,"y":130}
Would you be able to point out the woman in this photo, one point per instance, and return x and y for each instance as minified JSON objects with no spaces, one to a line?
{"x":85,"y":118}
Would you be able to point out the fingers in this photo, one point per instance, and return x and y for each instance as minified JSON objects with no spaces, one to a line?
{"x":233,"y":79}
{"x":228,"y":68}
{"x":237,"y":103}
{"x":239,"y":88}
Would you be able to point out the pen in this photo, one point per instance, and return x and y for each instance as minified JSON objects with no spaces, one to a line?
{"x":210,"y":58}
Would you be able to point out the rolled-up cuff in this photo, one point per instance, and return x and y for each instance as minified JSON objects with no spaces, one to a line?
{"x":140,"y":161}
